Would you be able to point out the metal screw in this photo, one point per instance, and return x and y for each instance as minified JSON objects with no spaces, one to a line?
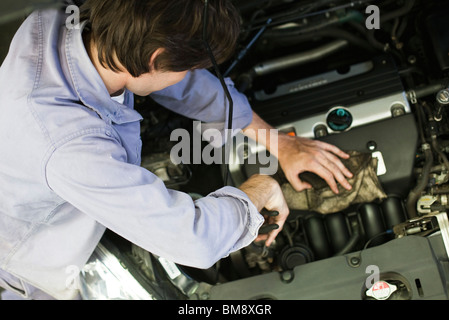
{"x":354,"y":261}
{"x":204,"y":296}
{"x":443,"y":96}
{"x":397,"y":110}
{"x":320,"y":131}
{"x":287,"y":276}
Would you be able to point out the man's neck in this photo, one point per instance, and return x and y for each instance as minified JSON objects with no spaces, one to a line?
{"x":114,"y":81}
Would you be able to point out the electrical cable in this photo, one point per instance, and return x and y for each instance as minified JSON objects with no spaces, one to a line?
{"x":367,"y":243}
{"x":225,"y":88}
{"x":298,"y":15}
{"x":242,"y":53}
{"x":386,"y":232}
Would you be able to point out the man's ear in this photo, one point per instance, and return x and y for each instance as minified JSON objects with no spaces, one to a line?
{"x":154,"y":56}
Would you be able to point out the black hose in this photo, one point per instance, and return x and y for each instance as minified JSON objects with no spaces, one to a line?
{"x":436,"y":147}
{"x":421,"y":117}
{"x":386,"y":232}
{"x":349,"y":246}
{"x":423,"y":180}
{"x":408,"y":6}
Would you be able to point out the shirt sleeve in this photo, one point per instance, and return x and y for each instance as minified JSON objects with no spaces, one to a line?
{"x":90,"y":172}
{"x":200,"y":96}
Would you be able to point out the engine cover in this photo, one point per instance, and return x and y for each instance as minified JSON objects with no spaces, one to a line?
{"x":393,"y":142}
{"x":336,"y":101}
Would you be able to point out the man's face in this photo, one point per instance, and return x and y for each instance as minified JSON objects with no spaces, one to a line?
{"x":154,"y":81}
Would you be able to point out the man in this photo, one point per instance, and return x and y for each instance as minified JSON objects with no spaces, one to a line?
{"x":71,"y":147}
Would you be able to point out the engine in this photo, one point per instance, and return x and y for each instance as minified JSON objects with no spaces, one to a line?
{"x":365,"y":108}
{"x":317,"y":69}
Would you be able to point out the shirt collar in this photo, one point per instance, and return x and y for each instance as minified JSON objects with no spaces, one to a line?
{"x":89,"y":85}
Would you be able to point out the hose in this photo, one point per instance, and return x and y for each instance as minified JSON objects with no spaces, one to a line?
{"x":423,"y":180}
{"x":268,"y":67}
{"x":408,"y":6}
{"x":287,"y":62}
{"x":352,"y":242}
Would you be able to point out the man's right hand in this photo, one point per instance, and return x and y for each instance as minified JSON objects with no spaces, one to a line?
{"x":265,"y":192}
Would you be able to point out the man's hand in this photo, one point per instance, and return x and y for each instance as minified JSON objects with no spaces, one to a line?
{"x":297,"y":155}
{"x":265,"y":192}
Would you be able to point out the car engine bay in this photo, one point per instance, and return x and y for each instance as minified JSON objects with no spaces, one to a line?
{"x":315,"y":69}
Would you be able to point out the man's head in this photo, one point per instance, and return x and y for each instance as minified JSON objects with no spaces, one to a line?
{"x":160,"y":35}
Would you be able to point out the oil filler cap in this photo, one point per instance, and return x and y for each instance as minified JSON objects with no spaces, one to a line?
{"x":381,"y":290}
{"x":339,"y":119}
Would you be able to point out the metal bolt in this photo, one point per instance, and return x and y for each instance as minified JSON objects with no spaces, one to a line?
{"x":397,"y":110}
{"x":204,"y":296}
{"x":443,"y":96}
{"x":412,"y":59}
{"x":371,"y":145}
{"x":320,"y":131}
{"x":354,"y":261}
{"x":287,"y":276}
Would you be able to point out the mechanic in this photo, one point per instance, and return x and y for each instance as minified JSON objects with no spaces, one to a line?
{"x":70,"y":141}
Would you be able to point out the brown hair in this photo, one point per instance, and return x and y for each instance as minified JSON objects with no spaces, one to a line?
{"x":132,"y":30}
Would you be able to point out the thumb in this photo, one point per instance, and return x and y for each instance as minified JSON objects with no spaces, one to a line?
{"x":299,"y":185}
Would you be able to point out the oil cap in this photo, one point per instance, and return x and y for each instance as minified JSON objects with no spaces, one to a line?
{"x":339,"y":119}
{"x":381,"y":290}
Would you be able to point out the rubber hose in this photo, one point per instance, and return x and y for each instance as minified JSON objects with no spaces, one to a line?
{"x":421,"y":185}
{"x":352,"y":242}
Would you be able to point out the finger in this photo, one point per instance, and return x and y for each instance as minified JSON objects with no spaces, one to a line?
{"x":271,"y":237}
{"x":338,"y":170}
{"x":261,"y":237}
{"x":330,"y":171}
{"x":297,"y":183}
{"x":280,"y":223}
{"x":268,"y":213}
{"x":332,"y":148}
{"x":324,"y":173}
{"x":338,"y":175}
{"x":265,"y":229}
{"x":336,"y":161}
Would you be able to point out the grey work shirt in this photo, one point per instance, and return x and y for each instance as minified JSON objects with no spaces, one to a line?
{"x":70,"y":165}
